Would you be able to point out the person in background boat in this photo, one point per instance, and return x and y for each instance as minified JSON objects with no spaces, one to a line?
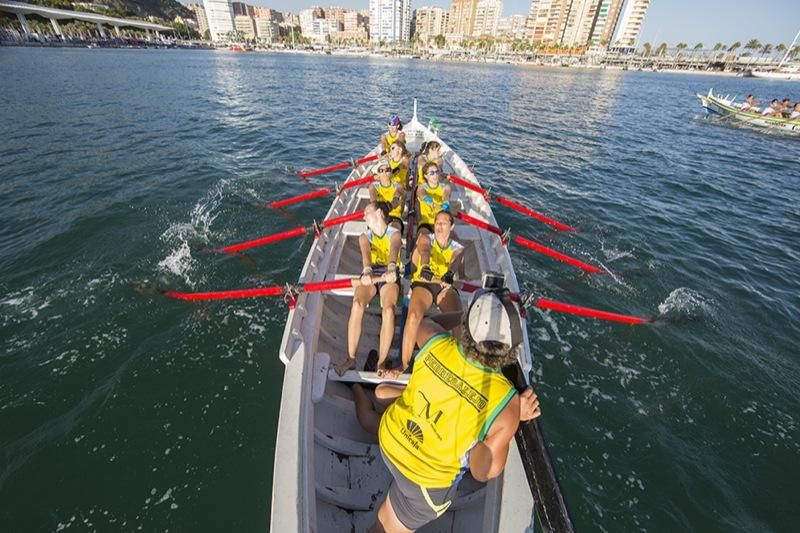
{"x":786,"y":107}
{"x":795,"y":112}
{"x":432,"y":282}
{"x":749,"y":104}
{"x":458,"y":412}
{"x":398,"y":160}
{"x":389,"y":193}
{"x":380,"y":250}
{"x":774,"y":108}
{"x":394,"y":134}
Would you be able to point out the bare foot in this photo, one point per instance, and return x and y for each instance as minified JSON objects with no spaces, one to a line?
{"x":347,"y":364}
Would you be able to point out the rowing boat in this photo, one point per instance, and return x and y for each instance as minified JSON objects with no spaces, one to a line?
{"x":328,"y":474}
{"x":716,"y":105}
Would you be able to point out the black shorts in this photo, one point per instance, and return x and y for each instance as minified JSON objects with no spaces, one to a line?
{"x":379,"y":271}
{"x":397,"y":219}
{"x":413,"y":505}
{"x":434,"y":288}
{"x":428,"y":227}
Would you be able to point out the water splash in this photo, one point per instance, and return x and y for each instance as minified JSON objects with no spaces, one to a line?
{"x":685,"y":303}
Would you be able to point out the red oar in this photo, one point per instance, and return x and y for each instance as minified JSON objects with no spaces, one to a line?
{"x":510,"y":203}
{"x":527,"y":243}
{"x":319,"y":192}
{"x":340,"y":166}
{"x":288,"y":234}
{"x":275,"y":290}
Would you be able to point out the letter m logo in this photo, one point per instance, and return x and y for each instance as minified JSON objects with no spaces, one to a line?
{"x":426,"y":410}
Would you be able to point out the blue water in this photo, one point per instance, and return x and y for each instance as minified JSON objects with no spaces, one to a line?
{"x":122,"y":411}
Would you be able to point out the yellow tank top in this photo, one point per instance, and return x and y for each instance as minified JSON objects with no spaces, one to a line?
{"x":400,"y":176}
{"x":386,"y":194}
{"x":440,"y":259}
{"x":379,"y":247}
{"x":427,"y":212}
{"x":448,"y":406}
{"x":391,"y":140}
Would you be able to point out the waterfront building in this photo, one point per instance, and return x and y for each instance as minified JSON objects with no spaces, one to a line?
{"x":513,"y":26}
{"x":355,"y":28}
{"x":547,"y":20}
{"x":389,"y":20}
{"x":336,"y":17}
{"x":307,"y":18}
{"x":462,"y":18}
{"x":580,"y":22}
{"x":429,"y":22}
{"x":630,"y":24}
{"x":245,"y":25}
{"x":240,"y":8}
{"x":219,"y":14}
{"x":200,"y":16}
{"x":487,"y":16}
{"x":266,"y":29}
{"x":606,"y":22}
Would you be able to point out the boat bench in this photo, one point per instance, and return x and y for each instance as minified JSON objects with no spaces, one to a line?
{"x":323,"y":371}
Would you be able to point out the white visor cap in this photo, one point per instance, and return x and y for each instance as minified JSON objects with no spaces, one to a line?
{"x":488,"y":320}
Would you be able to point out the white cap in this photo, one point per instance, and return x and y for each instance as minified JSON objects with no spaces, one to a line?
{"x":488,"y":320}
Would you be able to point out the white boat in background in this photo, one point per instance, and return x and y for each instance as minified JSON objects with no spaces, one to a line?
{"x":789,"y":73}
{"x":328,"y":475}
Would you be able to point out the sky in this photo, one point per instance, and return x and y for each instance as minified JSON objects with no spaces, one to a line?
{"x":670,"y":21}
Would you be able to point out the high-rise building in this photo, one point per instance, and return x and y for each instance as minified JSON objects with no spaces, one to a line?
{"x":580,"y":22}
{"x":487,"y":16}
{"x":219,"y":14}
{"x":200,"y":16}
{"x":245,"y":25}
{"x":513,"y":26}
{"x":429,"y":22}
{"x":389,"y":20}
{"x":462,"y":18}
{"x":547,"y":20}
{"x":606,"y":21}
{"x":336,"y":16}
{"x":630,"y":23}
{"x":266,"y":29}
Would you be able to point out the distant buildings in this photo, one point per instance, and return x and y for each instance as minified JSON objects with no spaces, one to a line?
{"x":333,"y":24}
{"x":606,"y":22}
{"x":487,"y":17}
{"x":200,"y":16}
{"x":428,"y":22}
{"x":462,"y":19}
{"x":389,"y":20}
{"x":630,"y":23}
{"x":512,"y":27}
{"x":219,"y":14}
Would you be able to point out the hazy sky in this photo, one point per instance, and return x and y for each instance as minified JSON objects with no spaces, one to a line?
{"x":671,"y":21}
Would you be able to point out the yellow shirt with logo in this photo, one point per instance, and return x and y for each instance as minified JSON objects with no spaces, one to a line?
{"x":386,"y":194}
{"x":427,"y":211}
{"x":440,"y":259}
{"x":380,"y":245}
{"x":448,"y":406}
{"x":399,"y":173}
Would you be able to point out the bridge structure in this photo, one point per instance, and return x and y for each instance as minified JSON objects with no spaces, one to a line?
{"x":21,"y":9}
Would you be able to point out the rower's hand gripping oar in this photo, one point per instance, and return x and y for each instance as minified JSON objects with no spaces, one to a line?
{"x":510,"y":203}
{"x":340,"y":166}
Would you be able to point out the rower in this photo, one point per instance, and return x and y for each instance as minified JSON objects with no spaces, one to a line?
{"x":389,"y":193}
{"x":399,"y":158}
{"x":432,"y":282}
{"x":430,"y":152}
{"x":458,"y":412}
{"x":432,"y":197}
{"x":394,"y":134}
{"x":786,"y":107}
{"x":380,"y":250}
{"x":749,"y":104}
{"x":795,"y":112}
{"x":774,"y":108}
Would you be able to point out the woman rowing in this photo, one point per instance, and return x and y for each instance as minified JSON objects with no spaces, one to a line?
{"x":430,"y":152}
{"x":432,"y":282}
{"x":399,"y":158}
{"x":394,"y":134}
{"x":389,"y":193}
{"x":380,"y":250}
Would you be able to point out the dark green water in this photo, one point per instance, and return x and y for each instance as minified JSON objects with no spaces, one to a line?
{"x":121,"y":411}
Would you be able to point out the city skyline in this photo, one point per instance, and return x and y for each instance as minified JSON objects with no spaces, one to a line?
{"x":669,"y":21}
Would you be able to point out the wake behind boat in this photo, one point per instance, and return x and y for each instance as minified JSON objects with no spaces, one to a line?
{"x":328,"y":471}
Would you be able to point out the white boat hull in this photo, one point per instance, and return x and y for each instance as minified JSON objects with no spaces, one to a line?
{"x":724,"y":108}
{"x":777,"y":75}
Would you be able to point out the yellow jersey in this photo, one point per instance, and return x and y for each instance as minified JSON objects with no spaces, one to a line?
{"x":448,"y":406}
{"x":427,"y":211}
{"x":440,"y":259}
{"x":380,"y":245}
{"x":391,"y":140}
{"x":386,"y":194}
{"x":399,"y":173}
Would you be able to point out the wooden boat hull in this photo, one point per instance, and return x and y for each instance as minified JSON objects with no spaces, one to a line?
{"x":328,"y":474}
{"x":723,"y":107}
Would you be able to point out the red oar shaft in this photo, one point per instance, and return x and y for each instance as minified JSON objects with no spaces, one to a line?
{"x":562,"y":307}
{"x":340,"y":166}
{"x":288,"y":234}
{"x":299,"y":198}
{"x":226,"y":295}
{"x":341,"y":220}
{"x":478,"y":223}
{"x":510,"y":203}
{"x":359,"y":182}
{"x":531,"y":213}
{"x":527,"y":243}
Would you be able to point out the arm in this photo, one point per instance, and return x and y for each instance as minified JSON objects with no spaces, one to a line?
{"x":394,"y":251}
{"x":487,"y":459}
{"x":399,"y":193}
{"x":366,"y":263}
{"x":453,"y":268}
{"x":446,"y":190}
{"x":383,"y":143}
{"x":420,"y":193}
{"x":373,"y":194}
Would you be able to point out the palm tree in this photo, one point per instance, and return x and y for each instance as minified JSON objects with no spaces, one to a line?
{"x":766,"y":49}
{"x":440,"y":41}
{"x":734,"y":46}
{"x":661,"y":49}
{"x":647,"y":48}
{"x":681,"y":47}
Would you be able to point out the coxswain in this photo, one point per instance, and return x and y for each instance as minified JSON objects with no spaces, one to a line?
{"x":389,"y":193}
{"x":394,"y":134}
{"x":432,"y":281}
{"x":399,"y":158}
{"x":380,"y":250}
{"x":457,"y":413}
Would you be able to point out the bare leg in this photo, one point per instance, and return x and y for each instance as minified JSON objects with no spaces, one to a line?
{"x":389,"y":294}
{"x":368,"y":417}
{"x":449,"y":302}
{"x":361,"y":299}
{"x":421,"y":299}
{"x":387,"y":521}
{"x":423,"y":246}
{"x":386,"y":393}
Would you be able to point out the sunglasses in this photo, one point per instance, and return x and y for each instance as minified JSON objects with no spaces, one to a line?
{"x":385,"y":169}
{"x":433,"y":172}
